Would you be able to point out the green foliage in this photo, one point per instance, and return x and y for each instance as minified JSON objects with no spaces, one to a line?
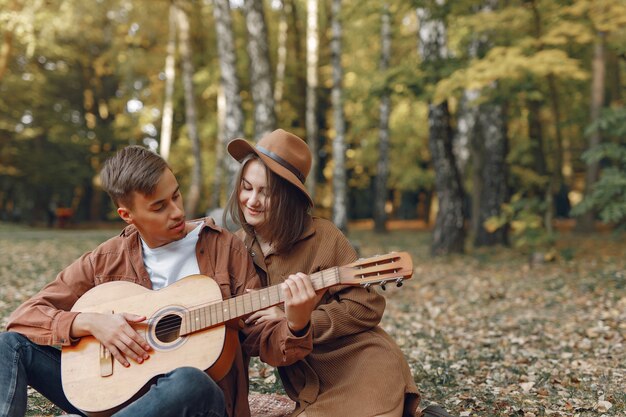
{"x":510,"y":64}
{"x":73,"y":67}
{"x":608,"y":195}
{"x":525,"y":217}
{"x":612,"y":122}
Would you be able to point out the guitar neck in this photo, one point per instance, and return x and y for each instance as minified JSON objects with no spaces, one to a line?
{"x":215,"y":314}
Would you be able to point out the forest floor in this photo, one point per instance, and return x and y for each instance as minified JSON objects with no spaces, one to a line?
{"x":487,"y":333}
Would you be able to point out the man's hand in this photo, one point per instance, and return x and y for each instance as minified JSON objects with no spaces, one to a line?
{"x":300,"y":300}
{"x":115,"y":333}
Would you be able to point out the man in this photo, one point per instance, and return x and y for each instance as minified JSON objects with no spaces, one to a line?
{"x":157,"y":248}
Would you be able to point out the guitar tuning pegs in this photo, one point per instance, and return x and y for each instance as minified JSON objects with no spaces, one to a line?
{"x":367,"y":285}
{"x":399,"y":282}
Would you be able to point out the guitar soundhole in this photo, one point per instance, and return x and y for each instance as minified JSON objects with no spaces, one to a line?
{"x":168,"y":328}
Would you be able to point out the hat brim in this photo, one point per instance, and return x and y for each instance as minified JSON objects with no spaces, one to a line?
{"x":240,"y":148}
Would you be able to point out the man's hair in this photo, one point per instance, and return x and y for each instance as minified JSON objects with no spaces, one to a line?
{"x":289,"y":209}
{"x":133,"y":168}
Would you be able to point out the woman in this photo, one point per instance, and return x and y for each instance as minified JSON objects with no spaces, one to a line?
{"x":355,"y":368}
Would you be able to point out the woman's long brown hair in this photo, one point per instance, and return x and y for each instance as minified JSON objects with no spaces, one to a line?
{"x":289,"y":209}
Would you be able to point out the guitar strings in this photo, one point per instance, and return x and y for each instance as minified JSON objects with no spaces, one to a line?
{"x":316,"y":277}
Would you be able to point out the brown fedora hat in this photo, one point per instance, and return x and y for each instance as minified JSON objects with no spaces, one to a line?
{"x":284,"y":153}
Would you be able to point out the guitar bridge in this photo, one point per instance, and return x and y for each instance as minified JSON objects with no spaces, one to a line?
{"x":106,"y":361}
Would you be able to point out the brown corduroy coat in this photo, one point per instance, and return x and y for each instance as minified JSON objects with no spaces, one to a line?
{"x":355,"y":368}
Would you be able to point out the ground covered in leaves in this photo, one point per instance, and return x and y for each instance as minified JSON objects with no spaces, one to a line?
{"x":489,"y":333}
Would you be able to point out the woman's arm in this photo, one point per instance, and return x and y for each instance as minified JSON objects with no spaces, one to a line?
{"x":344,"y":311}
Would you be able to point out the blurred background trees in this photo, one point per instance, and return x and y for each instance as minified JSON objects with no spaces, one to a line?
{"x":486,"y":120}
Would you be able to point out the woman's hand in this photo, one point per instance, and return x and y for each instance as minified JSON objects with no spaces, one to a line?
{"x":115,"y":333}
{"x":262,"y":316}
{"x":300,"y":301}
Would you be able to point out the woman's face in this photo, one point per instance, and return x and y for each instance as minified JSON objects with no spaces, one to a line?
{"x":253,"y":194}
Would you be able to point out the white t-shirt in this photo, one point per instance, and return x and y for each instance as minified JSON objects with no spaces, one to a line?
{"x":169,"y":263}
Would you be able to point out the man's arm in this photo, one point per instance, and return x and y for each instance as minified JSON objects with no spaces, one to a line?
{"x":46,"y":318}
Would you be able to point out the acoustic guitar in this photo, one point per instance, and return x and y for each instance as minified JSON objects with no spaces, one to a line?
{"x":186,"y":326}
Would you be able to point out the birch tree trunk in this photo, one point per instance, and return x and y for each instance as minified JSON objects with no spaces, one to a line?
{"x":298,"y":95}
{"x":220,"y":145}
{"x":465,"y":121}
{"x":340,"y":212}
{"x":449,"y":231}
{"x":260,"y":70}
{"x":195,"y":187}
{"x":491,"y":176}
{"x":230,"y":112}
{"x":312,"y":131}
{"x":281,"y":55}
{"x":598,"y":74}
{"x":489,"y":148}
{"x":170,"y":75}
{"x":382,"y":172}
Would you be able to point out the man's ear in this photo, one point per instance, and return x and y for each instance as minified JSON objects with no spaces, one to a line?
{"x":125,"y":214}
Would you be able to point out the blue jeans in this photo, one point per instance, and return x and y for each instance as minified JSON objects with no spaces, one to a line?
{"x":187,"y":392}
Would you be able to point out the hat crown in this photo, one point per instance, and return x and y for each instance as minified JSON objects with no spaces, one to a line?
{"x":288,"y":147}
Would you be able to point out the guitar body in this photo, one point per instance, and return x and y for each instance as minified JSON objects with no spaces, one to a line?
{"x":83,"y":364}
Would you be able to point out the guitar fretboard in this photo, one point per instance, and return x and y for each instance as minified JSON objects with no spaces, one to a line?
{"x":218,"y":313}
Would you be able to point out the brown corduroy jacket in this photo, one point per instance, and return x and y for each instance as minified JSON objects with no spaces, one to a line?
{"x":355,"y":368}
{"x":46,"y":318}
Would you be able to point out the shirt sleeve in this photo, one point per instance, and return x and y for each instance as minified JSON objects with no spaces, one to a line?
{"x":46,"y":318}
{"x":344,"y":310}
{"x":274,"y":344}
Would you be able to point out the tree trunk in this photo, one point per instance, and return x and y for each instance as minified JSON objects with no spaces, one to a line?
{"x":382,"y":172}
{"x":220,"y":145}
{"x":340,"y":215}
{"x":466,"y":119}
{"x":550,"y":188}
{"x":535,"y":134}
{"x":260,"y":72}
{"x":482,"y":136}
{"x":281,"y":55}
{"x":312,"y":131}
{"x":232,"y":123}
{"x":493,"y":191}
{"x":170,"y":74}
{"x":5,"y":52}
{"x":195,"y":187}
{"x":586,"y":221}
{"x":449,"y":231}
{"x":557,"y":174}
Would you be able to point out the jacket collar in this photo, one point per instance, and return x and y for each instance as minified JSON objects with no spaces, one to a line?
{"x":130,"y":231}
{"x":249,"y":239}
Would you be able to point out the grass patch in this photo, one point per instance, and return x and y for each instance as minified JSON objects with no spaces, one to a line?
{"x":485,"y":333}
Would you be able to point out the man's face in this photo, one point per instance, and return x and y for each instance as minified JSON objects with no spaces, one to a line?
{"x":160,"y":217}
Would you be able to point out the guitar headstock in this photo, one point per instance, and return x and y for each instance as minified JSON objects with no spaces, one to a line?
{"x":393,"y":267}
